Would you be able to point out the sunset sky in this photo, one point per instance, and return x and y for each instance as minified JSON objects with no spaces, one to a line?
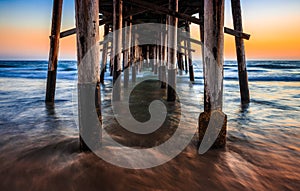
{"x":274,"y":27}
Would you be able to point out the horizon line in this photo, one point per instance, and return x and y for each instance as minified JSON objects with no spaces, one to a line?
{"x":74,"y":60}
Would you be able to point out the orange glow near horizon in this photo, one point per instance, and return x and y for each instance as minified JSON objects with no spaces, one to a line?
{"x":28,"y":43}
{"x":22,"y":42}
{"x":270,"y":40}
{"x":273,"y":35}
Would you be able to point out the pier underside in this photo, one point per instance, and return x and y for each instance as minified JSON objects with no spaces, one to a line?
{"x":169,"y":54}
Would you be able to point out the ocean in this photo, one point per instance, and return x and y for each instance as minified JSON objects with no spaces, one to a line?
{"x":39,"y":142}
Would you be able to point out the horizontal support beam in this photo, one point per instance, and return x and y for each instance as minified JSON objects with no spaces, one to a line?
{"x":186,"y":48}
{"x":184,"y":37}
{"x":108,"y":48}
{"x":105,"y":41}
{"x":104,"y":21}
{"x":133,"y":12}
{"x":162,"y":10}
{"x":73,"y":30}
{"x":226,"y":30}
{"x":196,"y":41}
{"x":236,"y":33}
{"x":137,"y":10}
{"x":67,"y":32}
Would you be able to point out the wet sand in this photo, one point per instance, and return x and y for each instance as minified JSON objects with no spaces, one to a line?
{"x":39,"y":143}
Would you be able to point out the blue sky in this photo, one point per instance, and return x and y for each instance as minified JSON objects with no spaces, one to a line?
{"x":25,"y":27}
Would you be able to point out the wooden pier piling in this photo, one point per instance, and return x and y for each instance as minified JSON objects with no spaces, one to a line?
{"x":240,"y":52}
{"x":172,"y":44}
{"x":155,"y":61}
{"x":147,"y":57}
{"x":104,"y":54}
{"x":180,"y":63}
{"x":134,"y":53}
{"x":159,"y":55}
{"x":87,"y":29}
{"x":179,"y":55}
{"x":111,"y":55}
{"x":163,"y":53}
{"x":190,"y":58}
{"x":54,"y":49}
{"x":117,"y":46}
{"x":201,"y":24}
{"x":152,"y":58}
{"x":185,"y":59}
{"x":141,"y":59}
{"x":213,"y":69}
{"x":127,"y":53}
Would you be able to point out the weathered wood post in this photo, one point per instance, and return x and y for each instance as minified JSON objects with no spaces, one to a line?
{"x":172,"y":44}
{"x":134,"y":52}
{"x":104,"y":54}
{"x":127,"y":53}
{"x":147,"y":57}
{"x":89,"y":111}
{"x":112,"y":55}
{"x":141,"y":59}
{"x":240,"y":52}
{"x":213,"y":72}
{"x":180,"y":62}
{"x":155,"y":61}
{"x":165,"y":54}
{"x":151,"y":58}
{"x":162,"y":68}
{"x":117,"y":47}
{"x":179,"y":55}
{"x":189,"y":49}
{"x":201,"y":17}
{"x":159,"y":56}
{"x":185,"y":56}
{"x":54,"y":48}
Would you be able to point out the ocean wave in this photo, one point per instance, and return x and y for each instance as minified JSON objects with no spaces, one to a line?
{"x":257,"y":70}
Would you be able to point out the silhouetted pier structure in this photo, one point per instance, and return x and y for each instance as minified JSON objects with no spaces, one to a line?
{"x":114,"y":15}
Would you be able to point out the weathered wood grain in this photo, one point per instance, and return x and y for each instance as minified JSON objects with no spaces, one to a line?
{"x":54,"y":48}
{"x":240,"y":52}
{"x":89,"y":112}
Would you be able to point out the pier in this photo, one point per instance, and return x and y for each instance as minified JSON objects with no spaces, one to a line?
{"x":170,"y":55}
